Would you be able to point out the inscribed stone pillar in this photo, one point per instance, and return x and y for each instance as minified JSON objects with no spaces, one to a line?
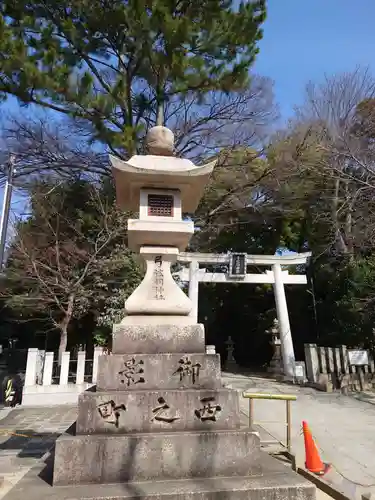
{"x":312,"y":363}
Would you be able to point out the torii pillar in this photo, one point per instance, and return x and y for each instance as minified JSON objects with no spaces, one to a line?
{"x":287,"y":349}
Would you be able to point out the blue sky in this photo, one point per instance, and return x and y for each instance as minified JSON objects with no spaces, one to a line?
{"x":305,"y":39}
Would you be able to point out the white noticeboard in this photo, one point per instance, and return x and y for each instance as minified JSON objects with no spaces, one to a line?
{"x":299,"y":371}
{"x":358,"y":358}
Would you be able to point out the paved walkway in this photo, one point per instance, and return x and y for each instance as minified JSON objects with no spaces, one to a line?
{"x":26,"y":436}
{"x":343,"y":427}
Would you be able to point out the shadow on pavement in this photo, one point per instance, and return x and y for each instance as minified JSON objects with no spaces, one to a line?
{"x":46,"y":474}
{"x":28,"y":443}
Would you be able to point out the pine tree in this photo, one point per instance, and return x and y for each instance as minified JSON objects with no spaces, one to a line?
{"x":115,"y":64}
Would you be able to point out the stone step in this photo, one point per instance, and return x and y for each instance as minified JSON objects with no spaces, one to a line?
{"x":157,"y":411}
{"x":158,"y":371}
{"x":153,"y":339}
{"x":159,"y":456}
{"x":278,"y":481}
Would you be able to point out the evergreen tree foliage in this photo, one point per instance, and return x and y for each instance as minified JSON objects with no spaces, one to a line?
{"x":115,"y":64}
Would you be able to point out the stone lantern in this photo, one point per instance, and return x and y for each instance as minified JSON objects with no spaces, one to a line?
{"x":276,"y":363}
{"x":160,"y":187}
{"x":160,"y":423}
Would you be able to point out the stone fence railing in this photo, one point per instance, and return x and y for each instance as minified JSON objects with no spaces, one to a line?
{"x":48,"y":384}
{"x":329,"y":369}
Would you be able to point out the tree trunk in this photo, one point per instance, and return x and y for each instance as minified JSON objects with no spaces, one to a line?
{"x":339,"y":242}
{"x":64,"y":325}
{"x":160,"y":101}
{"x":349,"y":219}
{"x":335,"y":206}
{"x":160,"y":114}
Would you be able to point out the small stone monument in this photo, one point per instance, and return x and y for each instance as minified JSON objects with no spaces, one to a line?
{"x":160,"y":424}
{"x":276,"y":363}
{"x":230,"y":363}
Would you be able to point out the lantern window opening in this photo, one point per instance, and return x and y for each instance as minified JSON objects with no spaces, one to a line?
{"x":160,"y":205}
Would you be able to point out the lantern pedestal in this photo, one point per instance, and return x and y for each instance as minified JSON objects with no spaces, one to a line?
{"x":158,"y":294}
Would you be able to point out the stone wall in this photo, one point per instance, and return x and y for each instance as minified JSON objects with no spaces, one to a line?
{"x":328,"y":369}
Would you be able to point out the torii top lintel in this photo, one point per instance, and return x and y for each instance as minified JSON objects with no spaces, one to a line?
{"x":265,"y":260}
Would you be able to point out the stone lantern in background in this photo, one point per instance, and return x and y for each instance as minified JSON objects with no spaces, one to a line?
{"x":230,"y":363}
{"x":276,"y":363}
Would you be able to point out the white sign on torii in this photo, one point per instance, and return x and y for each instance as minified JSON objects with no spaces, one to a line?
{"x":278,"y":278}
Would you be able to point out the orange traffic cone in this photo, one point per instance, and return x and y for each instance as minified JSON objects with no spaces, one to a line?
{"x":313,"y":461}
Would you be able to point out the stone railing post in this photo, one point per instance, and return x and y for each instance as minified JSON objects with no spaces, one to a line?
{"x":48,"y":368}
{"x":81,"y":359}
{"x":98,"y":351}
{"x":31,"y":367}
{"x":64,"y":371}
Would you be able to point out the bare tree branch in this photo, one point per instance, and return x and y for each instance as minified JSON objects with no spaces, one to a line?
{"x":56,"y":258}
{"x":321,"y":142}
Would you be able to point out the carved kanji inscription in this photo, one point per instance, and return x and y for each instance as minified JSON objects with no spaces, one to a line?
{"x":208,"y":410}
{"x":158,"y":279}
{"x":133,"y":372}
{"x":163,"y":412}
{"x":110,"y":412}
{"x":188,"y":370}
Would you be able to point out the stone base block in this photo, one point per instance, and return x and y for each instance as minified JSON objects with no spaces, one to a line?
{"x":231,"y":367}
{"x":324,"y":383}
{"x":148,"y":457}
{"x":277,"y":482}
{"x":157,"y":338}
{"x":246,"y":488}
{"x":158,"y":371}
{"x":53,"y":395}
{"x":157,"y":319}
{"x":157,"y":411}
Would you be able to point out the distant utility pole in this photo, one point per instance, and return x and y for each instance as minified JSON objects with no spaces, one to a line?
{"x":4,"y":221}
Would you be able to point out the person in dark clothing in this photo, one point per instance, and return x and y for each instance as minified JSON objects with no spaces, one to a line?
{"x":12,"y":390}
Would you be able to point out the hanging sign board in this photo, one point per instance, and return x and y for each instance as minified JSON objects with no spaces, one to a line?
{"x":358,"y":357}
{"x":237,"y":265}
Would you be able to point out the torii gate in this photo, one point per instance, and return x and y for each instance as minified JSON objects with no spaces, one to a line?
{"x":278,"y":278}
